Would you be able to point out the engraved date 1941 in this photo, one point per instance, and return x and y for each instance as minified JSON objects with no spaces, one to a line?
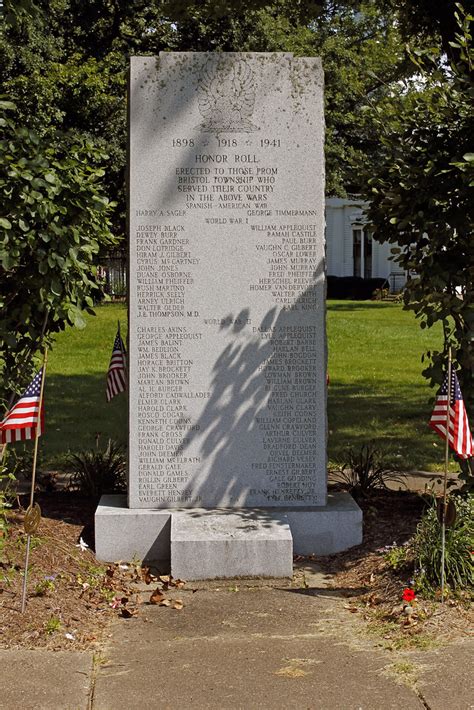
{"x":270,"y":143}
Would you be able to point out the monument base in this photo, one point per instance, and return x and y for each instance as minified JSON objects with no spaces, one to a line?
{"x":226,"y":542}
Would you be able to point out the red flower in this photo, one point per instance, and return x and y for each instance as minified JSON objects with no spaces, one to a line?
{"x":408,"y":595}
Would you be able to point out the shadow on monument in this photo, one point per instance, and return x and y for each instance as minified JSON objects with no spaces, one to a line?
{"x":182,"y":102}
{"x":251,"y":382}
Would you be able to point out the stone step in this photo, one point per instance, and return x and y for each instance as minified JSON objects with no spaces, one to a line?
{"x":211,"y":544}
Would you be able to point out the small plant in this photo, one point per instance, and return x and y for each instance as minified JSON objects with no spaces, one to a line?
{"x":46,"y":585}
{"x":458,"y":562}
{"x":467,"y":476}
{"x":20,"y":462}
{"x":97,"y":472}
{"x":52,"y":625}
{"x":397,"y":558}
{"x":365,"y":471}
{"x":6,"y":494}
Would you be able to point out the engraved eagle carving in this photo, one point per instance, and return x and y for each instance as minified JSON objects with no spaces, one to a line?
{"x":227,"y":99}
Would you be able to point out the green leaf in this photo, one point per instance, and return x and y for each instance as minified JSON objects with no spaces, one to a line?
{"x":5,"y":223}
{"x":56,"y":287}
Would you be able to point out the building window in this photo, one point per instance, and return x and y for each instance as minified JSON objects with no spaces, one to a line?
{"x":362,"y":253}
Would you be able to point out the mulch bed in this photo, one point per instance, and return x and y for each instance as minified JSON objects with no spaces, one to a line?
{"x":72,"y":598}
{"x":374,"y":589}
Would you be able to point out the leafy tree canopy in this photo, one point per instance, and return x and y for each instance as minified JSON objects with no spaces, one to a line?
{"x":66,"y":67}
{"x":54,"y":219}
{"x":422,"y":193}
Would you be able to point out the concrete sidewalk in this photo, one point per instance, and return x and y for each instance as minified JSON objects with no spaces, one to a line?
{"x":235,"y":646}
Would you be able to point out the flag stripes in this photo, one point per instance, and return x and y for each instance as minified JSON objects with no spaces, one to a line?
{"x":116,"y":374}
{"x":459,"y":434}
{"x":22,"y":420}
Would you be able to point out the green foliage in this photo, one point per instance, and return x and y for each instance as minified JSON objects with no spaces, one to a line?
{"x":54,"y":219}
{"x":6,"y":480}
{"x":66,"y":67}
{"x":44,"y":587}
{"x":397,"y":558}
{"x":422,"y":193}
{"x":96,"y":472}
{"x":365,"y":471}
{"x":459,"y":560}
{"x":52,"y":625}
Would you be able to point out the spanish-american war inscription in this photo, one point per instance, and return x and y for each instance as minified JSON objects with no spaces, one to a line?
{"x":227,"y":332}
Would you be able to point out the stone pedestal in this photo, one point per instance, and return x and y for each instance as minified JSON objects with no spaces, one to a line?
{"x":205,"y":544}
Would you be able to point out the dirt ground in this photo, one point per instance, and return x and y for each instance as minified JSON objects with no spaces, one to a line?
{"x":71,"y":598}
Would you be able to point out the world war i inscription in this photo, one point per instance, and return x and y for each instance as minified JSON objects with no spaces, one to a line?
{"x":227,"y":322}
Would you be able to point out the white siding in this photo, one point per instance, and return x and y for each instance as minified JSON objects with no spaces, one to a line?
{"x":342,"y":215}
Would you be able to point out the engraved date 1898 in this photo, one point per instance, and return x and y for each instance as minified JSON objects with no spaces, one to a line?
{"x":183,"y":142}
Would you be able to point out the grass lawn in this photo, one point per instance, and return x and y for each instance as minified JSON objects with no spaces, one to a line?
{"x":376,"y":389}
{"x":75,"y":404}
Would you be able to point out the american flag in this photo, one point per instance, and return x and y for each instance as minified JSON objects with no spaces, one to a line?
{"x":21,"y":421}
{"x":117,"y":374}
{"x":459,"y":437}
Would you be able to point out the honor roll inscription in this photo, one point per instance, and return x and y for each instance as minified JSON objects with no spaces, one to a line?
{"x":227,"y":339}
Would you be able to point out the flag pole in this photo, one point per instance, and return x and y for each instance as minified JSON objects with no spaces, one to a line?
{"x":33,"y":480}
{"x":445,"y":482}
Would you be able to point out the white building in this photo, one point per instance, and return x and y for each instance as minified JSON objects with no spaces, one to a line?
{"x":350,"y":249}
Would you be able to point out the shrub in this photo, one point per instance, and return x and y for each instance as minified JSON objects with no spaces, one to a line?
{"x":353,"y":287}
{"x":365,"y":471}
{"x":96,"y":472}
{"x":459,"y":562}
{"x":6,"y":479}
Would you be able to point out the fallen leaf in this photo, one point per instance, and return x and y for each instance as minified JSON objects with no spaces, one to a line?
{"x":165,"y":578}
{"x":291,"y":672}
{"x":147,"y":576}
{"x":177,"y":604}
{"x":373,"y":600}
{"x":165,"y":602}
{"x":128,"y":613}
{"x":157,"y":596}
